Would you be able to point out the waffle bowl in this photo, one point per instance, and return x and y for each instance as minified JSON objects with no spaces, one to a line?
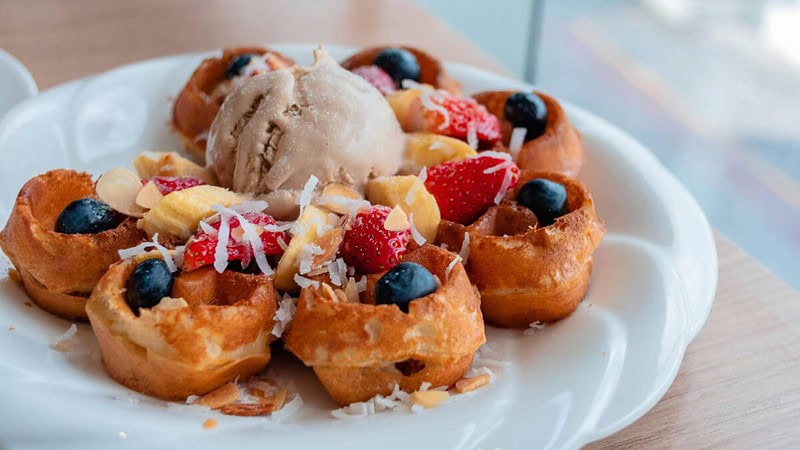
{"x":527,"y":273}
{"x":359,"y":350}
{"x":220,"y":332}
{"x":432,"y":71}
{"x":195,"y":108}
{"x":60,"y":270}
{"x":558,"y":150}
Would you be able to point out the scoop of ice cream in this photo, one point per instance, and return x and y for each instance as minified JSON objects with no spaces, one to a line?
{"x":281,"y":127}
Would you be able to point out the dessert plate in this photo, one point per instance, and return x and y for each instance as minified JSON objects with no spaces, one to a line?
{"x":568,"y":384}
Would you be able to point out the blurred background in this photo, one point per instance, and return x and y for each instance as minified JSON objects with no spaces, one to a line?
{"x":712,"y":87}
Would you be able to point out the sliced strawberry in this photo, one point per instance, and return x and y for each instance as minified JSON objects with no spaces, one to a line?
{"x":377,"y":77}
{"x":465,"y":189}
{"x":445,"y":113}
{"x":201,"y":247}
{"x":167,"y":185}
{"x":368,"y":246}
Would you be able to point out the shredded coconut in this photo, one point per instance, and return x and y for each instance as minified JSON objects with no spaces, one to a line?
{"x":533,"y":328}
{"x":351,"y":205}
{"x":307,"y":254}
{"x":142,"y":249}
{"x":284,"y":314}
{"x":508,"y":177}
{"x":411,"y":84}
{"x":472,"y":135}
{"x":396,"y":401}
{"x":488,"y":357}
{"x":282,"y":244}
{"x":427,"y":99}
{"x":206,"y":228}
{"x":418,"y":184}
{"x":178,"y":258}
{"x":304,"y":282}
{"x":517,"y":139}
{"x":464,"y":253}
{"x":289,"y":409}
{"x":221,"y":249}
{"x":424,"y":386}
{"x":362,"y":284}
{"x":451,"y":265}
{"x":418,"y":237}
{"x":308,"y":191}
{"x":252,"y":236}
{"x":254,"y":206}
{"x":65,"y":342}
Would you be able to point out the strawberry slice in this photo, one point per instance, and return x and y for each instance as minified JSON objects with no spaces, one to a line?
{"x":368,"y":246}
{"x":167,"y":185}
{"x":465,"y":189}
{"x":201,"y":247}
{"x":377,"y":77}
{"x":461,"y":118}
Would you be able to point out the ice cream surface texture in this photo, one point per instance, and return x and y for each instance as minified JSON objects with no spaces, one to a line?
{"x":281,"y":127}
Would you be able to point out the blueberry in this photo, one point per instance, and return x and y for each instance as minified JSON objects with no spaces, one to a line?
{"x":403,"y":283}
{"x":399,"y":63}
{"x":86,"y":216}
{"x":150,"y":281}
{"x":238,"y":63}
{"x":547,"y":199}
{"x":527,"y":110}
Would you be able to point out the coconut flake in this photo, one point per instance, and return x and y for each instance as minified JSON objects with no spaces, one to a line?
{"x":289,"y":409}
{"x":251,"y":235}
{"x":308,"y":191}
{"x":65,"y":342}
{"x":418,"y":237}
{"x":418,"y":184}
{"x":424,"y":386}
{"x":304,"y":282}
{"x":221,"y":249}
{"x":533,"y":328}
{"x":250,"y":206}
{"x":517,"y":139}
{"x":142,"y":248}
{"x":472,"y":135}
{"x":307,"y":254}
{"x":362,"y":284}
{"x":206,"y":228}
{"x":282,"y":243}
{"x":508,"y":177}
{"x":451,"y":265}
{"x":411,"y":84}
{"x":428,"y":103}
{"x":287,"y":306}
{"x":486,"y":356}
{"x":464,"y":252}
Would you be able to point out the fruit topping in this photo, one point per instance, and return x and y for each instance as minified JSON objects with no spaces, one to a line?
{"x":527,"y":110}
{"x":461,"y":118}
{"x":466,"y":189}
{"x":168,"y":185}
{"x":399,"y":63}
{"x":202,"y":247}
{"x":547,"y":199}
{"x":377,"y":77}
{"x":409,"y":193}
{"x":429,"y":149}
{"x":86,"y":216}
{"x":178,"y":213}
{"x":118,"y":188}
{"x":369,"y":246}
{"x":403,"y":283}
{"x":310,"y":228}
{"x":236,"y":66}
{"x":150,"y":281}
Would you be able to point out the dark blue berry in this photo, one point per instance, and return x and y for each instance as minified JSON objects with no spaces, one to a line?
{"x":399,"y":63}
{"x":238,"y":63}
{"x":526,"y":110}
{"x":150,"y":281}
{"x":403,"y":283}
{"x":547,"y":199}
{"x":86,"y":216}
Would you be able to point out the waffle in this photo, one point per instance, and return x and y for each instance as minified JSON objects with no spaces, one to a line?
{"x":59,"y":270}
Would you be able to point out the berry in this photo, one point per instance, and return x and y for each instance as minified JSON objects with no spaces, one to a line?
{"x":376,"y":77}
{"x":200,"y":249}
{"x":150,"y":281}
{"x":368,"y":246}
{"x":236,"y":66}
{"x":547,"y":199}
{"x":461,"y":114}
{"x":527,"y":110}
{"x":405,"y":282}
{"x":167,"y":185}
{"x":86,"y":216}
{"x":463,"y":190}
{"x":399,"y":63}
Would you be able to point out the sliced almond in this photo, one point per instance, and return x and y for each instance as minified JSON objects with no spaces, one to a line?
{"x":171,"y":164}
{"x":351,"y":291}
{"x":470,"y":384}
{"x":328,"y":290}
{"x":429,"y":399}
{"x":397,"y":220}
{"x":219,"y":397}
{"x":329,"y":243}
{"x":119,"y":189}
{"x":248,"y":409}
{"x":167,"y":303}
{"x":340,"y":294}
{"x":149,"y":196}
{"x":341,"y":190}
{"x":280,"y":399}
{"x":210,"y":424}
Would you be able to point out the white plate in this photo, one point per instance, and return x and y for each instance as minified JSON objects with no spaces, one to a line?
{"x":574,"y":382}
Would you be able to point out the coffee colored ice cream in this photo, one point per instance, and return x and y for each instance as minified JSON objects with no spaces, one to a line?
{"x":281,"y":127}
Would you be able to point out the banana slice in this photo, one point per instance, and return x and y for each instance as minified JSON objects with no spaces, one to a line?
{"x":178,"y":213}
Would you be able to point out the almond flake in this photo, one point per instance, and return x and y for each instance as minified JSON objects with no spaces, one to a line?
{"x":341,"y":190}
{"x":210,"y":424}
{"x":219,"y":397}
{"x":149,"y":196}
{"x":119,"y":188}
{"x":429,"y":399}
{"x":248,"y":409}
{"x":351,"y":291}
{"x":329,"y":243}
{"x":397,"y":220}
{"x":470,"y":384}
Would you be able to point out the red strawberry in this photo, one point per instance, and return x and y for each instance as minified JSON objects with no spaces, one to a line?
{"x":368,"y":246}
{"x":464,"y":190}
{"x":167,"y":185}
{"x":462,"y":114}
{"x":200,"y":249}
{"x":377,"y":77}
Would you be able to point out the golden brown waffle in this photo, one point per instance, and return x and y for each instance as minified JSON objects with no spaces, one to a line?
{"x":431,"y":70}
{"x":359,"y":350}
{"x":195,"y":108}
{"x":527,"y":273}
{"x":221,"y":333}
{"x":59,"y":270}
{"x":559,"y":149}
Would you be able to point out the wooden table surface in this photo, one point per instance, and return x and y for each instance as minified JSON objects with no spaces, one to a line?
{"x":739,"y":385}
